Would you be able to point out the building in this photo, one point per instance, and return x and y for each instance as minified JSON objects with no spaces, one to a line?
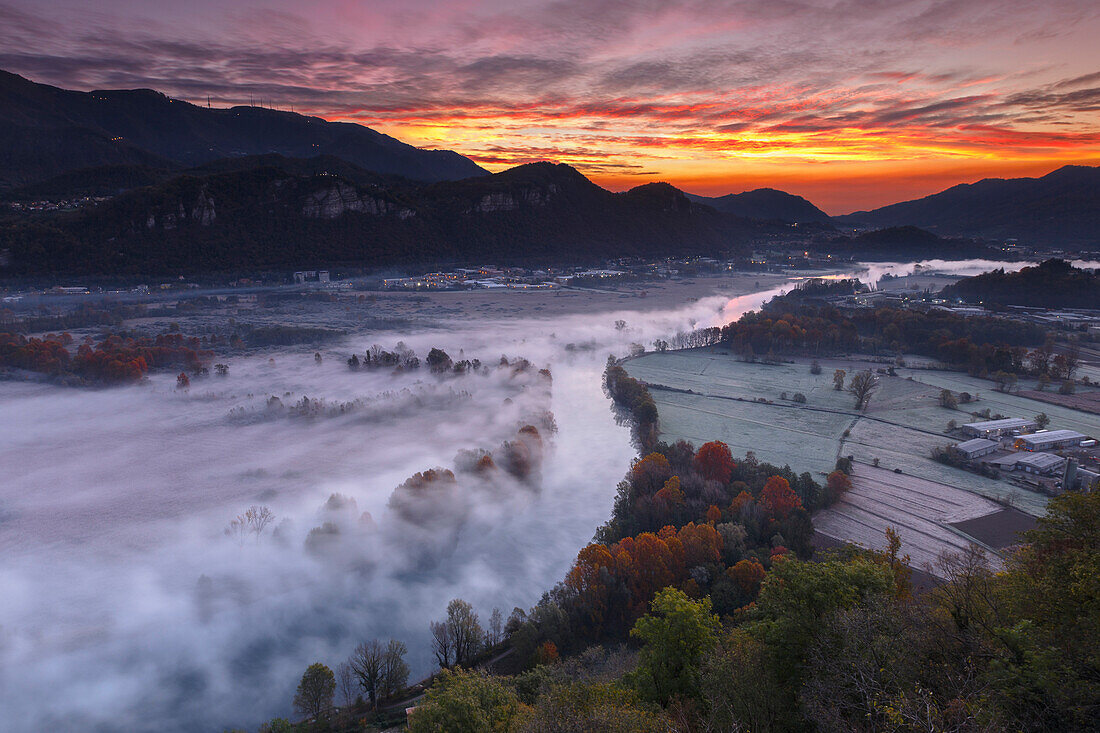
{"x":1044,"y":464}
{"x":977,"y":447}
{"x":1049,"y":440}
{"x":997,"y":428}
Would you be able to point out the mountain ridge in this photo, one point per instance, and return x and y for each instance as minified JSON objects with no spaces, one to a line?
{"x":51,"y":131}
{"x":1061,"y":207}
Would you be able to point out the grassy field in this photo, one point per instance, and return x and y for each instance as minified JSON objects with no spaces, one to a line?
{"x":707,"y":394}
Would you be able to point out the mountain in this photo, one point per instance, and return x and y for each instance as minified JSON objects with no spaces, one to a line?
{"x":1051,"y":284}
{"x":46,"y":132}
{"x":766,"y":204}
{"x":1061,"y":208}
{"x":273,"y":212}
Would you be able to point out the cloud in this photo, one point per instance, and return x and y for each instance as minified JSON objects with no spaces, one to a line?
{"x":845,"y":79}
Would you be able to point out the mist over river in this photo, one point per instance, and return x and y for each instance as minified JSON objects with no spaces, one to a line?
{"x":124,"y":605}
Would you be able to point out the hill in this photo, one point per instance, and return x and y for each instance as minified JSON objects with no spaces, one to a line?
{"x":901,"y":243}
{"x":1061,"y":208}
{"x":766,"y":204}
{"x":46,"y":131}
{"x":288,"y":213}
{"x":1052,"y":284}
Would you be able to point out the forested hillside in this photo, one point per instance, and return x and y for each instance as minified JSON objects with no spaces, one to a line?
{"x":1052,"y":284}
{"x":288,"y":213}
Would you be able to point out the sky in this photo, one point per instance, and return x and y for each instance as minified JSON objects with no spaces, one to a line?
{"x":850,"y":103}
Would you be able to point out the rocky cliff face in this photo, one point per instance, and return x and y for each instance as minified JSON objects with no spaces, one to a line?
{"x":199,"y":211}
{"x":336,"y":200}
{"x":502,"y":201}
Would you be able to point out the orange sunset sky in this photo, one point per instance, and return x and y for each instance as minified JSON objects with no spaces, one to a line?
{"x":852,"y":104}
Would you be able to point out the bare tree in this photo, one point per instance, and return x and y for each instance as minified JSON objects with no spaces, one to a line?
{"x":345,"y":684}
{"x":862,"y":385}
{"x":496,"y":627}
{"x":237,"y":529}
{"x":258,"y":518}
{"x":366,"y":662}
{"x":838,"y":379}
{"x":441,"y":643}
{"x":395,"y":673}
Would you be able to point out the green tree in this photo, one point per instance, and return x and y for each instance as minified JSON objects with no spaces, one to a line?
{"x":739,"y":685}
{"x":315,"y":691}
{"x":675,"y":634}
{"x":1041,"y":420}
{"x":796,"y":595}
{"x":580,"y":707}
{"x":467,"y":702}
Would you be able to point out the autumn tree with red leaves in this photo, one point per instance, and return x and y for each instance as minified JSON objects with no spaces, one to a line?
{"x":714,"y":462}
{"x":778,"y":498}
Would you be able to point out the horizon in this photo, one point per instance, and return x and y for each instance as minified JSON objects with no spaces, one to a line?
{"x":851,"y":106}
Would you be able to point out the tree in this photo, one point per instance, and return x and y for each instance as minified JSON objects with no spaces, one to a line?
{"x":838,"y":379}
{"x":838,"y":482}
{"x":395,"y":672}
{"x":496,"y":626}
{"x":315,"y":691}
{"x":714,"y":462}
{"x":1041,"y":420}
{"x":466,"y":702}
{"x":547,"y":653}
{"x":778,"y":498}
{"x":464,"y":630}
{"x":442,"y":646}
{"x":948,"y":399}
{"x":366,"y":663}
{"x":183,"y":381}
{"x":258,"y":519}
{"x":796,"y":595}
{"x":739,"y":685}
{"x":345,"y":684}
{"x":748,"y":574}
{"x":862,"y":385}
{"x":1068,"y":387}
{"x":439,"y":361}
{"x":815,"y":367}
{"x":675,"y":635}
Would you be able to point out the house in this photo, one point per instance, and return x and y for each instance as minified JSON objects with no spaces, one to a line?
{"x":976,"y":448}
{"x":1044,"y":464}
{"x":1049,"y":440}
{"x":997,"y":428}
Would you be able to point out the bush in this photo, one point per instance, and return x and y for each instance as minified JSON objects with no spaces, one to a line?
{"x":800,"y":398}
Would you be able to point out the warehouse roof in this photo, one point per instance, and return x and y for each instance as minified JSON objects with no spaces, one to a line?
{"x":1052,"y":436}
{"x":970,"y":446}
{"x":1040,"y":461}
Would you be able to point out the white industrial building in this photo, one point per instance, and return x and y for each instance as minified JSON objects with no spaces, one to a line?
{"x":977,"y":447}
{"x":1049,"y":440}
{"x":997,"y":428}
{"x":1044,"y":464}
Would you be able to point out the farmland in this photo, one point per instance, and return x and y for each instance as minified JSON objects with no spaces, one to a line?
{"x":707,"y":394}
{"x":922,"y":512}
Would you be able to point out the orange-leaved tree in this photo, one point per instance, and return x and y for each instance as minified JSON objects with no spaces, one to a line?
{"x":778,"y":498}
{"x":714,"y":462}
